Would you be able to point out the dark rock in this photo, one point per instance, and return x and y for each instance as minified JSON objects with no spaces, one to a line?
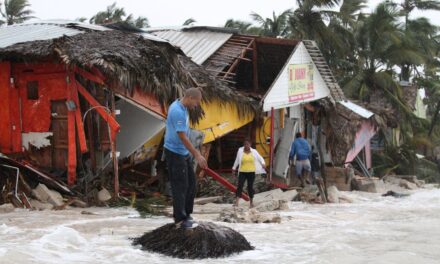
{"x":395,"y":194}
{"x":207,"y":240}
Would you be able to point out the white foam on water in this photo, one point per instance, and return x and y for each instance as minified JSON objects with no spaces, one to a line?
{"x":372,"y":229}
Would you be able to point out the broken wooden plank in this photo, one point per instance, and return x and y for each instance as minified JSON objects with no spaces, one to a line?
{"x":205,"y":200}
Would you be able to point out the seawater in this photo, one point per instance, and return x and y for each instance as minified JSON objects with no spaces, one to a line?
{"x":372,"y":229}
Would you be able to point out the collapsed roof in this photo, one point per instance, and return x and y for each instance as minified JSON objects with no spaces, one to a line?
{"x":126,"y":59}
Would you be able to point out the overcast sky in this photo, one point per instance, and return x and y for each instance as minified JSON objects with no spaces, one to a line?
{"x":175,"y":12}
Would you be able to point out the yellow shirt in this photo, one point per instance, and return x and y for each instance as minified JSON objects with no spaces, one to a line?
{"x":247,"y":162}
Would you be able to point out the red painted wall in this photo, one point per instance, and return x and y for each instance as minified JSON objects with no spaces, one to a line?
{"x":20,"y":114}
{"x":51,"y":78}
{"x":5,"y":127}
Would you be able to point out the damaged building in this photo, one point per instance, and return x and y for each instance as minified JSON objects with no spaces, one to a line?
{"x":80,"y":101}
{"x":297,"y":93}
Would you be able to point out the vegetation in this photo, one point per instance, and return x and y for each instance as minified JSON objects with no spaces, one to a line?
{"x":189,"y":22}
{"x":14,"y":11}
{"x":114,"y":14}
{"x":147,"y":207}
{"x":371,"y":55}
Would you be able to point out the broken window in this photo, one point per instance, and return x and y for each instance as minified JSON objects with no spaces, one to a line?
{"x":32,"y":90}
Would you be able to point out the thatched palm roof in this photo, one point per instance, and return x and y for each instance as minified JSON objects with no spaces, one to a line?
{"x":129,"y":60}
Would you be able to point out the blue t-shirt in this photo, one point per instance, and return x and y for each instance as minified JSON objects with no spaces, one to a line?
{"x":177,"y":121}
{"x":300,"y":147}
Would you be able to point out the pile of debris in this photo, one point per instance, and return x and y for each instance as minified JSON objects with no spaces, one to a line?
{"x":24,"y":186}
{"x":208,"y":187}
{"x":397,"y":183}
{"x":262,"y":212}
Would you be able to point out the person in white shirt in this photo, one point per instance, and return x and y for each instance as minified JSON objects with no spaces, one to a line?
{"x":249,"y":162}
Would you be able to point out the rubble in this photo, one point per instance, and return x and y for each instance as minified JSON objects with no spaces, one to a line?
{"x":40,"y":206}
{"x":242,"y":215}
{"x":409,"y":182}
{"x":310,"y":194}
{"x":211,"y":188}
{"x":104,"y":195}
{"x":268,"y":206}
{"x":6,"y":208}
{"x":276,"y":194}
{"x":374,"y":185}
{"x":44,"y":194}
{"x":284,"y":205}
{"x":289,"y":195}
{"x":205,"y":200}
{"x":79,"y":203}
{"x":408,"y":185}
{"x":333,"y":194}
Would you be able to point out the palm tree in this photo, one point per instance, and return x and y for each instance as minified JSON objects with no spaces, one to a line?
{"x":15,"y":11}
{"x":418,"y":36}
{"x":110,"y":15}
{"x":189,"y":22}
{"x":308,"y":20}
{"x":312,"y":21}
{"x":81,"y":19}
{"x":141,"y":22}
{"x":380,"y":41}
{"x":337,"y":40}
{"x":275,"y":26}
{"x":410,"y":5}
{"x":242,"y":26}
{"x":1,"y":21}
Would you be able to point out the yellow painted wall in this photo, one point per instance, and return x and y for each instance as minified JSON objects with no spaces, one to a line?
{"x":260,"y":139}
{"x":220,"y":119}
{"x":149,"y":149}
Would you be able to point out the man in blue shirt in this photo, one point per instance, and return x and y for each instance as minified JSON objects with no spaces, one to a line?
{"x":177,"y":149}
{"x":300,"y":147}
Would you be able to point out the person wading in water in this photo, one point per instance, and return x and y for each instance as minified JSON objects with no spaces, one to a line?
{"x":249,"y":163}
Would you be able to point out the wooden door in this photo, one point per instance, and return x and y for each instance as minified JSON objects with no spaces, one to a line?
{"x":59,"y":130}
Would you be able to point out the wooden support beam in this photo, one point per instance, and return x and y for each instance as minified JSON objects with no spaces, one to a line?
{"x":89,"y":76}
{"x":90,"y":129}
{"x":71,"y":139}
{"x":244,"y":37}
{"x":276,"y":41}
{"x":235,"y":47}
{"x":99,"y":108}
{"x":234,"y":39}
{"x":113,"y":146}
{"x":255,"y":66}
{"x":235,"y":64}
{"x":78,"y":117}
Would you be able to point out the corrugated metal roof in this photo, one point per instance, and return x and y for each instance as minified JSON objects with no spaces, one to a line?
{"x":67,"y":23}
{"x":153,"y":37}
{"x":357,"y":109}
{"x":50,"y":29}
{"x":199,"y":45}
{"x":11,"y":35}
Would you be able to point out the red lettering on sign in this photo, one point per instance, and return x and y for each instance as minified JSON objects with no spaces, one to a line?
{"x":300,"y":74}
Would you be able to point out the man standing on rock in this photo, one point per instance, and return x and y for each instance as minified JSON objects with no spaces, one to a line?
{"x":177,"y":149}
{"x":301,"y":149}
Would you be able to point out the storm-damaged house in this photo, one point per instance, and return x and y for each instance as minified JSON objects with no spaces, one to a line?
{"x":76,"y":97}
{"x":297,"y":92}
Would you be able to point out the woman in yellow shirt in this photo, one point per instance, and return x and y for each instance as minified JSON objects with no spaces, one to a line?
{"x":249,"y":162}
